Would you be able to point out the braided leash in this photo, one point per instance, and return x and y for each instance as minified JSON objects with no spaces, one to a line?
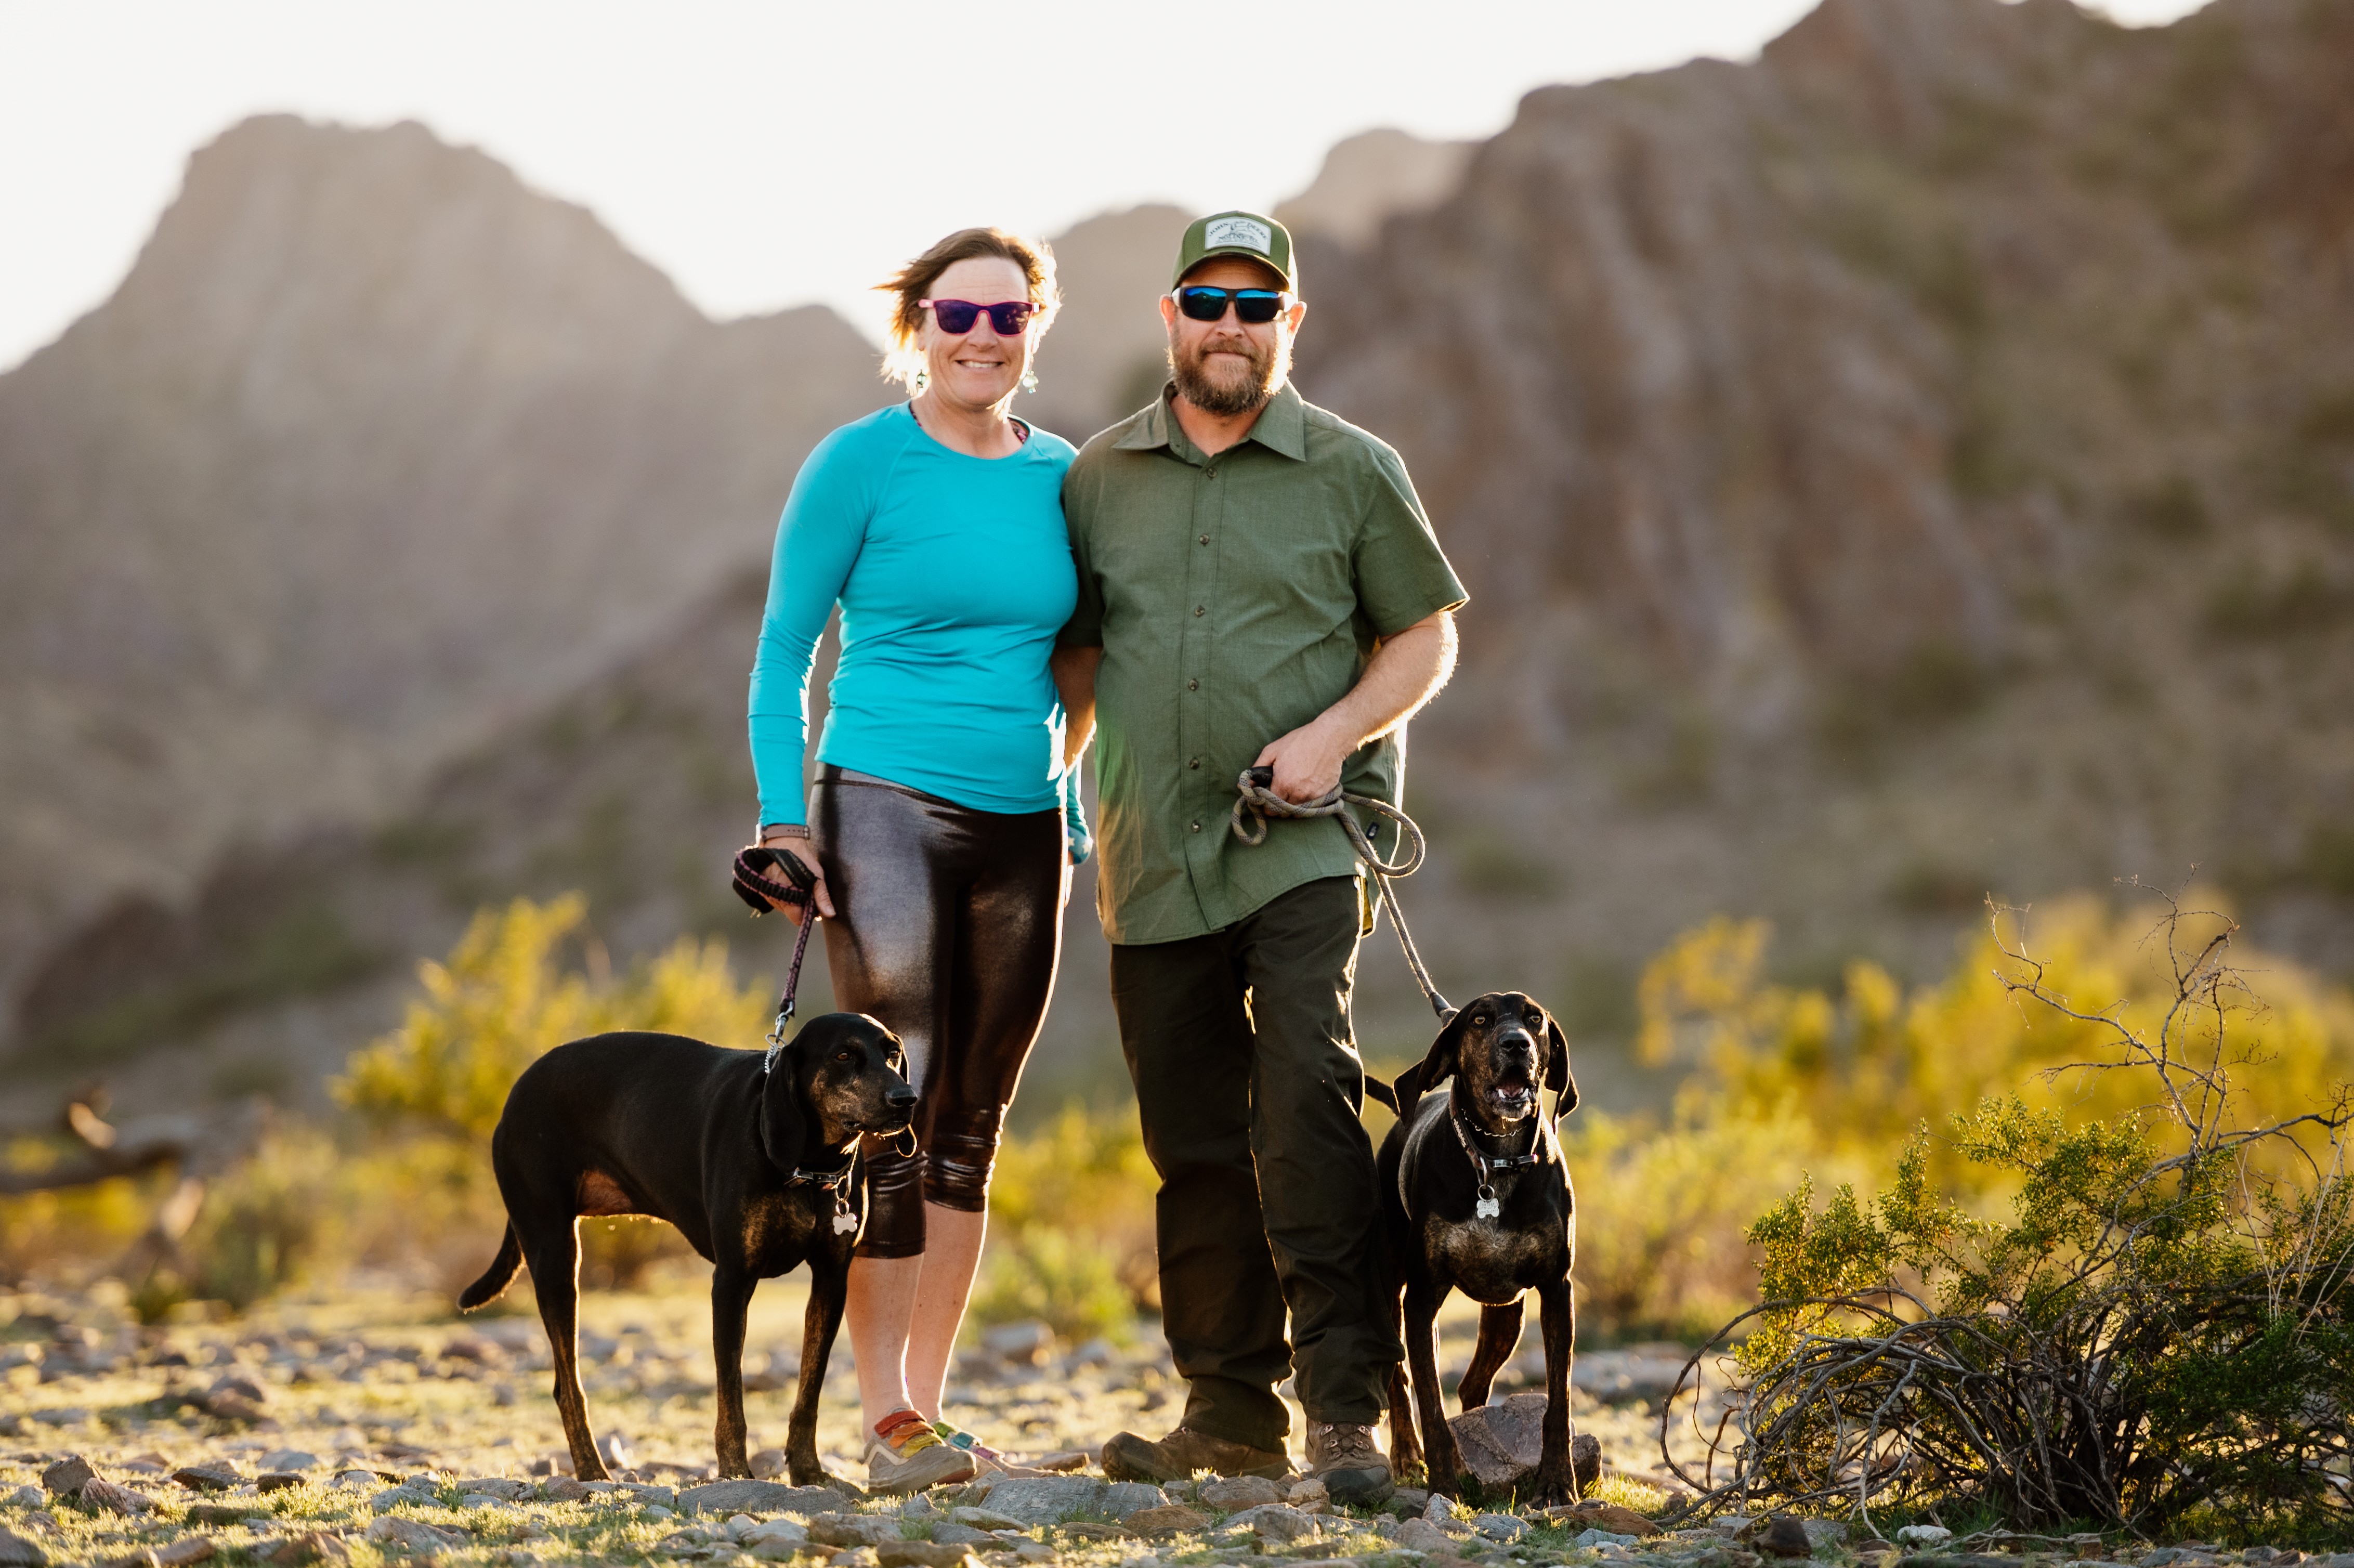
{"x":756,"y":888}
{"x":1256,"y":804}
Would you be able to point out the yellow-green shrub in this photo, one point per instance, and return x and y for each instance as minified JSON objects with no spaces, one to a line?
{"x":1071,"y":1228}
{"x":504,"y":999}
{"x":83,"y":1224}
{"x":1864,"y":1067}
{"x":1660,"y":1213}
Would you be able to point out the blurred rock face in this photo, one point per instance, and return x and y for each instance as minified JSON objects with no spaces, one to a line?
{"x":1371,"y":177}
{"x":374,"y":447}
{"x":1789,"y":372}
{"x":1107,"y":353}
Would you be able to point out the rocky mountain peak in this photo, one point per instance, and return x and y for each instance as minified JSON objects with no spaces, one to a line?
{"x":374,"y":447}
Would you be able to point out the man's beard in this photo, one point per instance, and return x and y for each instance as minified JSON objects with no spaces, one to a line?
{"x":1236,"y":385}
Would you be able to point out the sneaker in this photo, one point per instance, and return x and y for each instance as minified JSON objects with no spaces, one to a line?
{"x":1345,"y":1458}
{"x":905,"y":1455}
{"x":1128,"y":1457}
{"x":987,"y":1458}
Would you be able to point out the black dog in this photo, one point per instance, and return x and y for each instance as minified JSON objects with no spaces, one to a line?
{"x":1476,"y":1199}
{"x":714,"y":1141}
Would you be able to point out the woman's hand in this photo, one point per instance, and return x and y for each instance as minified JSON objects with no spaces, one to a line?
{"x":802,"y":851}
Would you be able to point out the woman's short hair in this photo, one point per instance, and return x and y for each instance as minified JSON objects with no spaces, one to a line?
{"x":912,"y":284}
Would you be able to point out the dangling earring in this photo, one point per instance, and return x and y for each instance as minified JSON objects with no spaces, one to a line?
{"x":1029,"y":381}
{"x":919,"y":380}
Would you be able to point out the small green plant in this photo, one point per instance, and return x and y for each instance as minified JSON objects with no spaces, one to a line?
{"x":1491,"y":864}
{"x":1934,"y":887}
{"x":2329,"y":858}
{"x":2249,"y":607}
{"x":1936,"y":682}
{"x":2160,"y":1326}
{"x":2173,"y":510}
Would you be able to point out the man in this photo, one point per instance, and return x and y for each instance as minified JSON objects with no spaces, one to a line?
{"x":1258,"y":587}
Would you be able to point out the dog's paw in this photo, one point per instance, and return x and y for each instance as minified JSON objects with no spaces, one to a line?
{"x":816,"y":1475}
{"x":1552,"y":1485}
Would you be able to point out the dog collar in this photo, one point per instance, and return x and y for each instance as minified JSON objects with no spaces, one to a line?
{"x":828,"y":1179}
{"x":845,"y":1219}
{"x":1490,"y":1207}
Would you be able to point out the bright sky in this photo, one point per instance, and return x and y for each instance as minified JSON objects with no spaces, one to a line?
{"x":764,"y":153}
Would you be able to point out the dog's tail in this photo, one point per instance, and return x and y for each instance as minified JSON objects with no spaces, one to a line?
{"x":495,"y":1278}
{"x":1381,"y":1092}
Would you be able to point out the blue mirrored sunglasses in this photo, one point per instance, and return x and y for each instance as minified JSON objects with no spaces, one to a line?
{"x":1256,"y":306}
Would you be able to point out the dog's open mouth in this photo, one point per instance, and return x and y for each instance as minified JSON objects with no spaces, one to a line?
{"x":1513,"y":1095}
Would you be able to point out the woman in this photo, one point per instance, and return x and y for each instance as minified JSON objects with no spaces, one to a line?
{"x":942,"y":822}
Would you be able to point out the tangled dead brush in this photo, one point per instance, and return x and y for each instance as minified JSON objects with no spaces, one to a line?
{"x":2160,"y":1330}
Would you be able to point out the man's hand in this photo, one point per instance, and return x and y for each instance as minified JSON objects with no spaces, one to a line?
{"x":1307,"y":762}
{"x":1406,"y":672}
{"x":800,"y":850}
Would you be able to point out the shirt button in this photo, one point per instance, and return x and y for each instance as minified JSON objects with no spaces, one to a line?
{"x":1193,"y":762}
{"x":1205,"y":538}
{"x":1197,"y":827}
{"x":1192,"y":685}
{"x":1209,"y":474}
{"x":1198,"y":610}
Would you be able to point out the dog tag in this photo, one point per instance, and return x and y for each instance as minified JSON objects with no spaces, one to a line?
{"x":1488,"y":1208}
{"x":844,"y":1221}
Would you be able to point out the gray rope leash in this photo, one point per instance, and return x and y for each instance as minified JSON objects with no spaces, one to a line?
{"x":1256,"y":804}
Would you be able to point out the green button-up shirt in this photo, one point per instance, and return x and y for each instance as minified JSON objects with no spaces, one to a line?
{"x":1235,"y":598}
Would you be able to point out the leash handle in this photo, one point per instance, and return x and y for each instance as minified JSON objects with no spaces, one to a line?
{"x":1256,"y":804}
{"x":756,"y":888}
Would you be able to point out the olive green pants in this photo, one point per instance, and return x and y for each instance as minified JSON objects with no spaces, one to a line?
{"x":1248,"y":1085}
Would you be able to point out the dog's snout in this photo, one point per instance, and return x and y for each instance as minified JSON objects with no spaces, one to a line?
{"x":899,"y":1096}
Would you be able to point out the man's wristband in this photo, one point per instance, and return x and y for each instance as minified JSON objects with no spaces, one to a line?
{"x":783,"y":830}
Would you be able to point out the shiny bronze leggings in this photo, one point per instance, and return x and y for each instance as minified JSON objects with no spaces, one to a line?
{"x":947,"y":925}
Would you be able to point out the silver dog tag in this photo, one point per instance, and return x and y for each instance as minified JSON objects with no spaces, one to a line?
{"x":1488,"y":1208}
{"x":844,"y":1221}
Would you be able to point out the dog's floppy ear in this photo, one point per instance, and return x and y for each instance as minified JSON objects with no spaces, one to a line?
{"x":784,"y":1130}
{"x":1438,"y":1065}
{"x":1557,"y":1073}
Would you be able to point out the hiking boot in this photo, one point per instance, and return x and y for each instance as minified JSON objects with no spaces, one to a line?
{"x":1127,"y":1458}
{"x":905,"y":1455}
{"x":1346,"y":1460}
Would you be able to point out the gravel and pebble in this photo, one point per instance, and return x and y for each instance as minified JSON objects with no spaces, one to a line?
{"x":374,"y":1432}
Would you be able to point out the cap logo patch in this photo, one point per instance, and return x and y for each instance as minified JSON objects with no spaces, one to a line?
{"x":1239,"y":232}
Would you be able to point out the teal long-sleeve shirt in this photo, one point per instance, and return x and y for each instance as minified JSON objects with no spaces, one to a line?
{"x":953,"y":574}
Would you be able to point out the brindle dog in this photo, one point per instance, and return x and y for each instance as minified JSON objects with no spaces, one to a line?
{"x":1491,"y":1229}
{"x":757,"y":1169}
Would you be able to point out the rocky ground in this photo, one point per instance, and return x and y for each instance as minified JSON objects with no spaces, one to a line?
{"x":377,"y":1431}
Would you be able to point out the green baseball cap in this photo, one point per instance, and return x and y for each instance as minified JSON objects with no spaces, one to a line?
{"x":1235,"y":234}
